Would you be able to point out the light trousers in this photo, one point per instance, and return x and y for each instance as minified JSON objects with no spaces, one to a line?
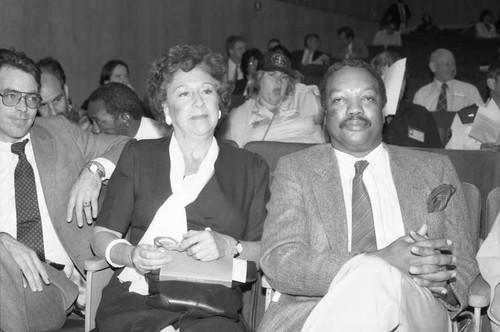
{"x":369,"y":294}
{"x":21,"y":309}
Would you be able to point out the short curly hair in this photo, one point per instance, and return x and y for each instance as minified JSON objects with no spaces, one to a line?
{"x":186,"y":58}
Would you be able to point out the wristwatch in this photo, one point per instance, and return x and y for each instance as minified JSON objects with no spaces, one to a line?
{"x":237,"y":249}
{"x":96,"y":168}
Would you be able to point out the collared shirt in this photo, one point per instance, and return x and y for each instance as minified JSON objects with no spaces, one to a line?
{"x":54,"y":250}
{"x":458,"y":95}
{"x":149,"y":129}
{"x":231,"y":67}
{"x":379,"y":183}
{"x":460,"y":139}
{"x":307,"y":57}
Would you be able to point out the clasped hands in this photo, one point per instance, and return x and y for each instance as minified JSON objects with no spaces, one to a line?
{"x":205,"y":245}
{"x":428,"y":261}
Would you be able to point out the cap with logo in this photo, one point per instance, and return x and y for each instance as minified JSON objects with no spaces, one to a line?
{"x":277,"y":61}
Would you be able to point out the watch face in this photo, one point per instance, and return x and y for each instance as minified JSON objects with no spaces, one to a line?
{"x":239,"y":248}
{"x":93,"y":168}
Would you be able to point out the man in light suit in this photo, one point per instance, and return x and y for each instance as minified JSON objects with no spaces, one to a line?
{"x":38,"y":283}
{"x":310,"y":254}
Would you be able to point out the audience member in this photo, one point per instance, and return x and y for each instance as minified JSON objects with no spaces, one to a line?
{"x":41,"y":254}
{"x":272,"y":43}
{"x":348,"y":47}
{"x":427,"y":24}
{"x":116,"y":109}
{"x":465,"y":119}
{"x":251,"y":61}
{"x":446,"y":93}
{"x":113,"y":71}
{"x":488,"y":259}
{"x":388,"y":36}
{"x":55,"y":94}
{"x":412,"y":125}
{"x":310,"y":55}
{"x":352,"y":259}
{"x":399,"y":12}
{"x":485,"y":29}
{"x":235,"y":47}
{"x":210,"y":197}
{"x":280,"y":111}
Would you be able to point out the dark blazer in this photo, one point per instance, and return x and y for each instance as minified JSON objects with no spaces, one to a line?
{"x":408,"y":123}
{"x":141,"y":184}
{"x":304,"y":244}
{"x":297,"y":58}
{"x":393,"y":13}
{"x":61,"y":152}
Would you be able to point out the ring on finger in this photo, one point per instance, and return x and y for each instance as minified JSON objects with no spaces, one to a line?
{"x":86,"y":204}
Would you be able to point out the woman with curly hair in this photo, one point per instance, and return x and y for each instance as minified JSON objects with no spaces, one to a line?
{"x":207,"y":195}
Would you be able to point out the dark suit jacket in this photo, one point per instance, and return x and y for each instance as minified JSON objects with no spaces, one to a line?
{"x":304,"y":244}
{"x":297,"y":58}
{"x":61,"y":151}
{"x":411,"y":117}
{"x":393,"y":12}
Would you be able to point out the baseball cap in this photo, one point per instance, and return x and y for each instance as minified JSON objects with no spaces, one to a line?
{"x":277,"y":61}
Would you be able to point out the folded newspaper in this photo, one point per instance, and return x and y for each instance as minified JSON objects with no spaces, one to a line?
{"x":393,"y":81}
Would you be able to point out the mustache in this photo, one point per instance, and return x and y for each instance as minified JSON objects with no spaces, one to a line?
{"x":354,"y":117}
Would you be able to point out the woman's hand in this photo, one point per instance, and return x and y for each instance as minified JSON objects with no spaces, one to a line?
{"x":146,"y":258}
{"x":207,"y":245}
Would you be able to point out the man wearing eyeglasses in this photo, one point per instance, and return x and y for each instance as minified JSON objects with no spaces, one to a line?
{"x":41,"y":162}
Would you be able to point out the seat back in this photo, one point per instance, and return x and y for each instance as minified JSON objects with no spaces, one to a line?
{"x":492,"y":208}
{"x":273,"y":151}
{"x":473,"y":201}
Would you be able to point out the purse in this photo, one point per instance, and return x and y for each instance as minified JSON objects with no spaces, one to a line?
{"x":206,"y":299}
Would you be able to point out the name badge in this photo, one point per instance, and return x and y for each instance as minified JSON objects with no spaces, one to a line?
{"x":416,"y":134}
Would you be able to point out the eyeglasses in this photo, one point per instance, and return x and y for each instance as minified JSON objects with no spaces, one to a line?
{"x":12,"y":98}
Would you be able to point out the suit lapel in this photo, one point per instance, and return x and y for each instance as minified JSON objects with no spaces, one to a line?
{"x":45,"y":157}
{"x":408,"y":187}
{"x":330,"y":199}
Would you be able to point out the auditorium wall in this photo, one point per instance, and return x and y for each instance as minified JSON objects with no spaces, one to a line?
{"x":83,"y":35}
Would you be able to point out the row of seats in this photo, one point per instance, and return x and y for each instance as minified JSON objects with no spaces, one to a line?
{"x":479,"y":172}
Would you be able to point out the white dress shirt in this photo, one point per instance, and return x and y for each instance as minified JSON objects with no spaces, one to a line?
{"x":379,"y":183}
{"x":149,"y":129}
{"x":458,"y":95}
{"x":53,"y":248}
{"x":231,"y":68}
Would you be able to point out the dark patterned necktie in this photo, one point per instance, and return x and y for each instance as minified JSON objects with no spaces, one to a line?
{"x":442,"y":105}
{"x":363,"y":229}
{"x":29,"y":225}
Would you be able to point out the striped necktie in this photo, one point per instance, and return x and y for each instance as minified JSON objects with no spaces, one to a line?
{"x":363,"y":229}
{"x":442,"y":105}
{"x":29,"y":224}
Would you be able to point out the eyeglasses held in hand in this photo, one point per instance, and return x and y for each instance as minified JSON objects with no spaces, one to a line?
{"x":167,"y":243}
{"x":12,"y":98}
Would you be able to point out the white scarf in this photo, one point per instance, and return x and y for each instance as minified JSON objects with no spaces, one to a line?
{"x":170,"y":219}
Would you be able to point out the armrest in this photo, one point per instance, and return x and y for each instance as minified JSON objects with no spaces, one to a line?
{"x":479,"y":293}
{"x":95,"y":264}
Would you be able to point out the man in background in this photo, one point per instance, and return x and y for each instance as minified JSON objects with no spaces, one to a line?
{"x":235,"y":47}
{"x":446,"y":93}
{"x":116,"y":109}
{"x":55,"y":94}
{"x":310,"y":55}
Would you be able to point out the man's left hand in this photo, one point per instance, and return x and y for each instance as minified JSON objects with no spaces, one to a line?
{"x":84,"y":198}
{"x":433,"y":276}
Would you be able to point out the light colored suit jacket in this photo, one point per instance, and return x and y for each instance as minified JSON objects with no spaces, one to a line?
{"x":61,"y":151}
{"x":304,"y":243}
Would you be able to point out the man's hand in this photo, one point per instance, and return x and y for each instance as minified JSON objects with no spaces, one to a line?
{"x":421,"y":258}
{"x":432,"y":275}
{"x":84,"y":198}
{"x":207,"y":245}
{"x":33,"y":269}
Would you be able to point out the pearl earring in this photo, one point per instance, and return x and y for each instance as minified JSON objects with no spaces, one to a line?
{"x":220,"y":114}
{"x":168,"y":120}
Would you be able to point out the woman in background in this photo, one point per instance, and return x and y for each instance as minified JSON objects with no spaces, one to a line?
{"x":280,"y":109}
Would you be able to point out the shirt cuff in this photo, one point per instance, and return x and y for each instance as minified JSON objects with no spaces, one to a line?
{"x":109,"y":167}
